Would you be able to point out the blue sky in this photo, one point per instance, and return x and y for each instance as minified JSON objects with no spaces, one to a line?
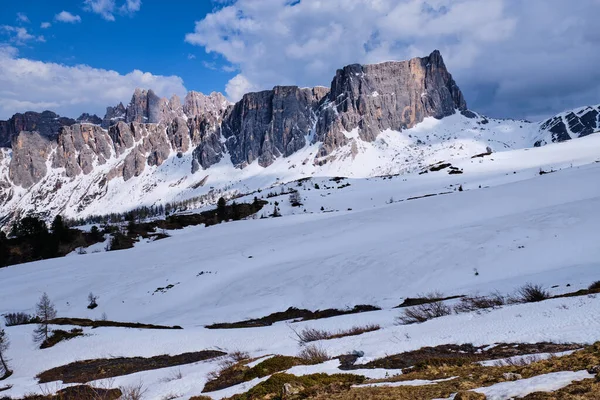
{"x":512,"y":58}
{"x":151,"y":39}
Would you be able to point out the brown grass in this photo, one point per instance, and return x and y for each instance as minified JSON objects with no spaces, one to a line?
{"x":313,"y":354}
{"x":58,"y":336}
{"x":91,"y":370}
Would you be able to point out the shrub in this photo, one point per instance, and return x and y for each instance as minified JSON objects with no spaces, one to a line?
{"x":313,"y":354}
{"x":595,"y":286}
{"x":424,"y":312}
{"x":19,"y":318}
{"x":133,"y":392}
{"x":312,"y":335}
{"x":530,"y":293}
{"x":469,"y":304}
{"x":239,"y":355}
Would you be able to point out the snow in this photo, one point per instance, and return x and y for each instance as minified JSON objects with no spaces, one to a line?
{"x":510,"y":223}
{"x":542,"y":383}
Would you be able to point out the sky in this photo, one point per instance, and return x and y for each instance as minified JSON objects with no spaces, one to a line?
{"x":511,"y":58}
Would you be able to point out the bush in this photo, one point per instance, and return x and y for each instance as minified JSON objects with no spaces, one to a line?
{"x":19,"y":318}
{"x":595,"y":286}
{"x":530,"y":293}
{"x":313,"y":354}
{"x":133,"y":392}
{"x":424,"y":312}
{"x":312,"y":335}
{"x":469,"y":304}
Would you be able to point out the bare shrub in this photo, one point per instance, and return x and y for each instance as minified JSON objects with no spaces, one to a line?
{"x":594,"y":286}
{"x":133,"y":392}
{"x":470,"y":304}
{"x":312,"y":335}
{"x":46,"y":312}
{"x":424,"y":312}
{"x":313,"y":354}
{"x":18,"y":318}
{"x":239,"y":355}
{"x":530,"y":293}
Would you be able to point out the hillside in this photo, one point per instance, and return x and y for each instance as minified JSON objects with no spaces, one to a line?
{"x":510,"y":218}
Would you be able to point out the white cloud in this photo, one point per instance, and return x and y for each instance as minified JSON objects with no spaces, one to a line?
{"x":70,"y":90}
{"x":500,"y":51}
{"x":238,"y":86}
{"x":65,"y":16}
{"x":191,"y":56}
{"x":20,"y":36}
{"x":45,"y":25}
{"x":22,"y":18}
{"x":131,"y":6}
{"x":107,"y":8}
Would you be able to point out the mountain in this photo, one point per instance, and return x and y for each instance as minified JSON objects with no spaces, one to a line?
{"x":387,"y":118}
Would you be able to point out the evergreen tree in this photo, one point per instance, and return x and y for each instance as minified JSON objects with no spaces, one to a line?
{"x":221,"y":209}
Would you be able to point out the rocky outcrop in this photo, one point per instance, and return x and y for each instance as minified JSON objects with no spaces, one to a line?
{"x":198,"y":104}
{"x":390,"y":95}
{"x":114,"y":115}
{"x":571,"y":125}
{"x":46,"y":123}
{"x":79,"y":146}
{"x":269,"y":124}
{"x":145,"y":107}
{"x":30,"y":151}
{"x":86,"y":118}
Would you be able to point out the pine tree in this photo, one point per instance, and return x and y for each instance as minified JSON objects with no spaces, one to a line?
{"x":4,"y":344}
{"x":221,"y":209}
{"x":46,"y":312}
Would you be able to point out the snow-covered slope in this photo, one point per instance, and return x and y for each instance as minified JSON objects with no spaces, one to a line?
{"x":371,"y":242}
{"x":449,"y":139}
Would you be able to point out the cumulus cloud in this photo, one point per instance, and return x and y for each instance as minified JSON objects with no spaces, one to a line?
{"x":510,"y":57}
{"x":65,"y":16}
{"x":45,"y":25}
{"x":19,"y":35}
{"x":70,"y":90}
{"x":107,"y":8}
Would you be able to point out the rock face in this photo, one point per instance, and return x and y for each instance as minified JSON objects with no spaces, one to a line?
{"x":86,"y":118}
{"x":574,"y":124}
{"x":269,"y":124}
{"x":30,"y":151}
{"x":45,"y":123}
{"x":390,"y":95}
{"x":114,"y":115}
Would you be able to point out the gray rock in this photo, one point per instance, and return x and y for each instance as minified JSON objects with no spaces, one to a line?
{"x":30,"y":151}
{"x":269,"y":124}
{"x":574,"y":124}
{"x":47,"y":123}
{"x":390,"y":95}
{"x":78,"y":146}
{"x":114,"y":115}
{"x":511,"y":376}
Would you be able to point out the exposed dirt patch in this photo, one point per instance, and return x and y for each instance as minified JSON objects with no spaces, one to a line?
{"x":97,"y":324}
{"x":292,"y":313}
{"x":452,"y":354}
{"x":81,"y":392}
{"x":416,"y":301}
{"x":90,"y":370}
{"x":59,"y":335}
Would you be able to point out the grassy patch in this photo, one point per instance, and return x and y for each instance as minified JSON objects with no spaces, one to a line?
{"x":239,"y":372}
{"x":58,"y":336}
{"x":426,"y":299}
{"x":292,"y":313}
{"x":280,"y":386}
{"x":90,"y":370}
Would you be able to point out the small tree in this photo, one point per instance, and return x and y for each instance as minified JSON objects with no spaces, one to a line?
{"x":221,"y":209}
{"x":295,"y":199}
{"x":58,"y":228}
{"x":46,"y":312}
{"x":4,"y":344}
{"x":92,"y":301}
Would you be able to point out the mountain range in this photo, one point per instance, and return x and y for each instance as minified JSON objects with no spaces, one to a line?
{"x":380,"y":119}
